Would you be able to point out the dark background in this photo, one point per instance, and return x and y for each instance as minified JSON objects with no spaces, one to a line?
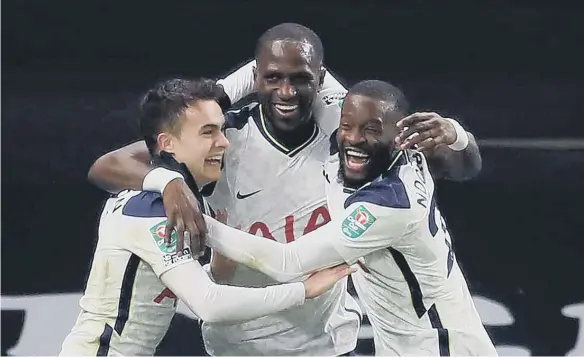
{"x":72,"y":69}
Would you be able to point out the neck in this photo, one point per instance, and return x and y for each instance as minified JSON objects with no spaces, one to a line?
{"x":291,"y":138}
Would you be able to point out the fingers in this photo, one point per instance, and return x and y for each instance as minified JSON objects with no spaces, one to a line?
{"x":415,"y":118}
{"x":180,"y":241}
{"x":417,"y":129}
{"x":200,"y":224}
{"x":200,"y":233}
{"x":168,"y":231}
{"x":192,"y":237}
{"x":342,"y":270}
{"x":429,"y":144}
{"x":430,"y":138}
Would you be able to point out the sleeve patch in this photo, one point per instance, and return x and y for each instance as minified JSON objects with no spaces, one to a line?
{"x":158,"y":232}
{"x":334,"y":98}
{"x":170,"y":259}
{"x":358,"y":222}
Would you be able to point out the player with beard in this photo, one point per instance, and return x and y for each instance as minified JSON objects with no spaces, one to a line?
{"x":275,"y":149}
{"x":385,"y":219}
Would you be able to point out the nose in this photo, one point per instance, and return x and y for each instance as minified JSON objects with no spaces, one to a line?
{"x":286,"y":91}
{"x":354,"y":136}
{"x":222,"y":141}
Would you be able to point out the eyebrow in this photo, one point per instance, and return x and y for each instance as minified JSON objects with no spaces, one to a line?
{"x":211,"y":126}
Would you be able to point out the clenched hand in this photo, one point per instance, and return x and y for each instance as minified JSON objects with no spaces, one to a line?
{"x":184,"y":217}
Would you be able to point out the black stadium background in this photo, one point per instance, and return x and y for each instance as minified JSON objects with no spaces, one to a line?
{"x":71,"y":71}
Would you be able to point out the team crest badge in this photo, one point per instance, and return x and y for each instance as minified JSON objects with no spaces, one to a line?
{"x":158,"y":234}
{"x":358,"y":222}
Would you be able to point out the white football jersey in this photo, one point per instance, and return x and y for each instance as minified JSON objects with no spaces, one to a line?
{"x":126,"y":310}
{"x":409,"y":282}
{"x":271,"y":191}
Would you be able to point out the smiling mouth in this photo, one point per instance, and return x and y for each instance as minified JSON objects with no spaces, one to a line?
{"x":285,"y":109}
{"x":214,"y":160}
{"x":356,"y":160}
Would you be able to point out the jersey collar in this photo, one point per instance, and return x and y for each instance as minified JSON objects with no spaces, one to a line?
{"x":399,"y":159}
{"x":276,"y":143}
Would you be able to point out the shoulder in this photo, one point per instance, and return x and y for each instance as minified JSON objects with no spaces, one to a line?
{"x":144,"y":204}
{"x":239,"y":118}
{"x":132,"y":215}
{"x":392,"y":192}
{"x":389,"y":191}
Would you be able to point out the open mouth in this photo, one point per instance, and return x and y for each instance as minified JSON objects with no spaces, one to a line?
{"x":286,"y":109}
{"x":214,"y":160}
{"x":355,"y":159}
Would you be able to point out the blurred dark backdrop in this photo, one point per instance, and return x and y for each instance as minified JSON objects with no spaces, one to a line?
{"x":71,"y":71}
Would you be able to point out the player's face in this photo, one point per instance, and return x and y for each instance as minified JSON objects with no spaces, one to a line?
{"x":365,"y":139}
{"x":200,"y":143}
{"x":287,"y":79}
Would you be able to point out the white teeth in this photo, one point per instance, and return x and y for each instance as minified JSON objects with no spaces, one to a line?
{"x":356,"y":153}
{"x":285,"y":107}
{"x":215,"y":158}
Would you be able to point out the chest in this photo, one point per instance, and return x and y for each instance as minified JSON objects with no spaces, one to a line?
{"x":269,"y":193}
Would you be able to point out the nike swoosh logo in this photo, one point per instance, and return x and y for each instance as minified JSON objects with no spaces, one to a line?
{"x":241,"y":197}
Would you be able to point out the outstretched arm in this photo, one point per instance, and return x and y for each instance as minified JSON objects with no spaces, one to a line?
{"x":451,"y":151}
{"x":282,"y":262}
{"x":189,"y":282}
{"x":327,"y":246}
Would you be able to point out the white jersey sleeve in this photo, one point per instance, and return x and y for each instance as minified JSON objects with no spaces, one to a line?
{"x":142,"y":232}
{"x":375,"y":217}
{"x":328,"y":104}
{"x":282,"y":262}
{"x":240,"y":83}
{"x":368,"y":227}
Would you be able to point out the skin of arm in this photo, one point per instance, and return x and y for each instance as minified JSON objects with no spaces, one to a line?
{"x":121,"y":169}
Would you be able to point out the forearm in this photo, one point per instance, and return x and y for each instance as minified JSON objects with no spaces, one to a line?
{"x":458,"y":165}
{"x":221,"y":303}
{"x":282,"y":262}
{"x":121,"y":169}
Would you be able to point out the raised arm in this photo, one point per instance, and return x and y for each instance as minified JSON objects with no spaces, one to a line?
{"x":451,"y":151}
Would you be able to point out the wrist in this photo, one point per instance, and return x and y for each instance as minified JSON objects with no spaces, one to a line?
{"x":461,"y":141}
{"x":157,"y":179}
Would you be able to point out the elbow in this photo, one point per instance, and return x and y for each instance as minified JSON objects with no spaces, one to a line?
{"x":468,"y":168}
{"x":475,"y":167}
{"x":97,"y":172}
{"x":211,"y":314}
{"x":472,"y":167}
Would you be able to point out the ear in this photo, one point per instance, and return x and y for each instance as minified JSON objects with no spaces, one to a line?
{"x":321,"y":76}
{"x":165,"y":142}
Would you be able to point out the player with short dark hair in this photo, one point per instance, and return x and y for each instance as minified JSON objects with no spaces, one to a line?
{"x":385,"y":219}
{"x":278,"y":145}
{"x":135,"y":277}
